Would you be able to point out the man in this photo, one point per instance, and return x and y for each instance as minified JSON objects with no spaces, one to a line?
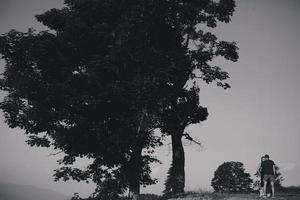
{"x":269,"y":173}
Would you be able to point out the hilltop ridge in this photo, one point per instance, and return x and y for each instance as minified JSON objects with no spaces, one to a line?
{"x":10,"y":191}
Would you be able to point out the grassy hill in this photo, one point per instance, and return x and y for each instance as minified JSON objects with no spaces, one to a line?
{"x":10,"y":191}
{"x":285,"y":193}
{"x":220,"y":196}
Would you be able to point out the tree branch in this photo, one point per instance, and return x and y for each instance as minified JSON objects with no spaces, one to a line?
{"x":54,"y":154}
{"x":188,"y":137}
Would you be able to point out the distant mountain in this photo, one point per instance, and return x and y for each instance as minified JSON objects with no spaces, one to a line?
{"x":9,"y":191}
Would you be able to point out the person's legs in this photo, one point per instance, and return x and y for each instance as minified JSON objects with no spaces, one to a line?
{"x":267,"y":178}
{"x":272,"y":187}
{"x":265,"y":186}
{"x":261,"y":189}
{"x":272,"y":180}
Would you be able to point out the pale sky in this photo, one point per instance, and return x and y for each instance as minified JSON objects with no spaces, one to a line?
{"x":260,"y":114}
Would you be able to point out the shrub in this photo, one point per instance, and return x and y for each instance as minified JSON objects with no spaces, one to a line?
{"x":231,"y":177}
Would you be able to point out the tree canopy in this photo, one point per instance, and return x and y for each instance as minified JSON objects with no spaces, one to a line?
{"x":108,"y":73}
{"x":231,"y":177}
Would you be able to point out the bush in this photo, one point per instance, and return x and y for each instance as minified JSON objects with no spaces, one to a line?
{"x":109,"y":196}
{"x":231,"y":177}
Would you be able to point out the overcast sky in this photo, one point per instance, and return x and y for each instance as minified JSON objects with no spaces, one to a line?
{"x":259,"y":114}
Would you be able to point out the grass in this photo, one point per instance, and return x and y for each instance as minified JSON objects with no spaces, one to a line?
{"x":223,"y":196}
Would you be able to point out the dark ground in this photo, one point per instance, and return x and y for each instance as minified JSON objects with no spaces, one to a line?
{"x":215,"y":196}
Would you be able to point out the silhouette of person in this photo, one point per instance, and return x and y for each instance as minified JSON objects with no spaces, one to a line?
{"x":268,"y":171}
{"x":261,"y":175}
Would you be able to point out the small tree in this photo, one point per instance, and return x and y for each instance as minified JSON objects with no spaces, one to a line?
{"x":231,"y":177}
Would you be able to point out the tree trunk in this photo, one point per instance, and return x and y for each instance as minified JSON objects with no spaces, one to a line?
{"x":135,"y":164}
{"x":178,"y":162}
{"x":134,"y":182}
{"x":134,"y":189}
{"x":134,"y":174}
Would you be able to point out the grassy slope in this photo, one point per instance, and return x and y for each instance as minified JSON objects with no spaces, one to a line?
{"x":10,"y":191}
{"x":216,"y":196}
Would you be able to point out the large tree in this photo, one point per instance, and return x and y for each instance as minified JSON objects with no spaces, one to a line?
{"x":191,"y":51}
{"x":106,"y":75}
{"x":91,"y":87}
{"x":186,"y":110}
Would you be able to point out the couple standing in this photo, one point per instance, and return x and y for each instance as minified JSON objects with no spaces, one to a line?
{"x":267,"y":172}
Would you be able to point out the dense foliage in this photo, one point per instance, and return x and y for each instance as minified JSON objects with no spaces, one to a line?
{"x":192,"y":19}
{"x":106,"y":75}
{"x":231,"y":177}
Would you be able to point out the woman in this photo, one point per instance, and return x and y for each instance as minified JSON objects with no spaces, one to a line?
{"x":261,"y":175}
